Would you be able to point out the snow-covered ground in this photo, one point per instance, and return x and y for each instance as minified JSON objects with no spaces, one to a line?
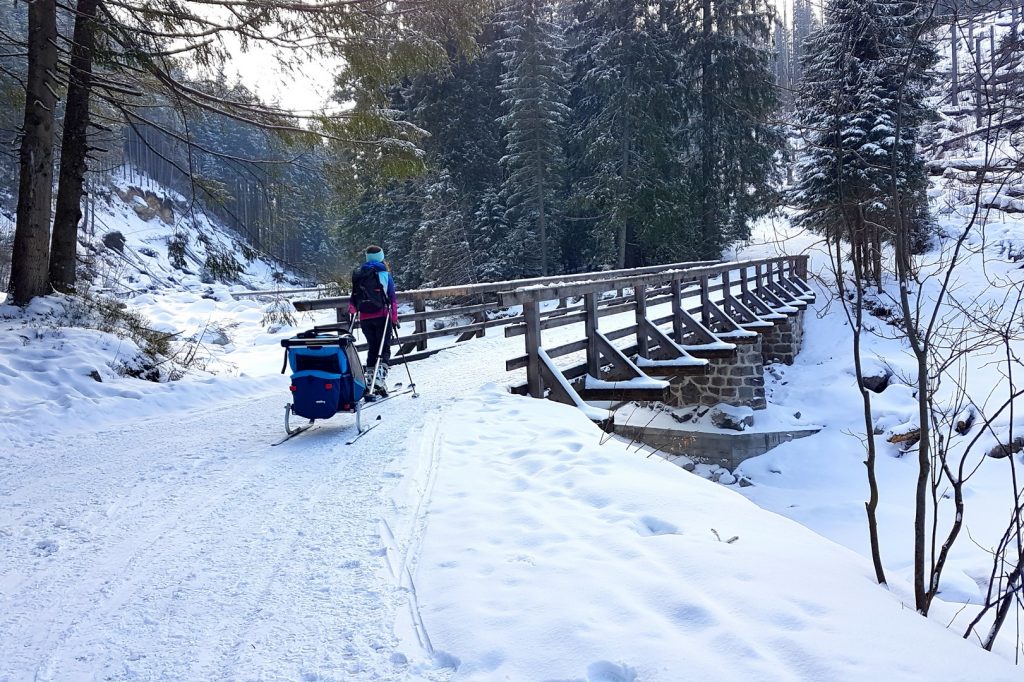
{"x":149,"y":531}
{"x":474,"y":535}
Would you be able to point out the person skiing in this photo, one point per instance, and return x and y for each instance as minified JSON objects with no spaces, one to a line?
{"x":373,"y":299}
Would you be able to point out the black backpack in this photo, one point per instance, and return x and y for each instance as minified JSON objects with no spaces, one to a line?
{"x":368,"y":291}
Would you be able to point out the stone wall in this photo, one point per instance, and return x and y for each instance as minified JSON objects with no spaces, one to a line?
{"x":783,"y":341}
{"x":737,"y":380}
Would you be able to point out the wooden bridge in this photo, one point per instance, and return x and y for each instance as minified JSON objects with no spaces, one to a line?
{"x":719,"y":321}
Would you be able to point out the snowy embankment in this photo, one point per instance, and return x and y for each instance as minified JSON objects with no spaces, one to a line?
{"x":59,"y":371}
{"x":820,"y":481}
{"x":549,"y":555}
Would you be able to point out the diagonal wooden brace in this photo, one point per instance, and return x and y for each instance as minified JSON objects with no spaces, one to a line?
{"x":722,"y":320}
{"x":785,"y":285}
{"x":777,"y":304}
{"x":559,"y":389}
{"x":803,"y":286}
{"x":759,"y":306}
{"x":695,"y":333}
{"x":744,"y":316}
{"x":664,"y":347}
{"x":621,"y":367}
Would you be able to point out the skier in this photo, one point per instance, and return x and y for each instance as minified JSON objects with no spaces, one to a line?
{"x":373,"y":298}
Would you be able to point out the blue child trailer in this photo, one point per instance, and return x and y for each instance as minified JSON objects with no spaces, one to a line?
{"x":327,"y":377}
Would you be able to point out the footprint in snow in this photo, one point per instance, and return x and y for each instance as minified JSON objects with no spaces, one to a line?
{"x":652,"y":525}
{"x":45,"y":548}
{"x":606,"y":671}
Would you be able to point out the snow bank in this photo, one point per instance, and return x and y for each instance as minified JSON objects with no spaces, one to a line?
{"x":551,"y":556}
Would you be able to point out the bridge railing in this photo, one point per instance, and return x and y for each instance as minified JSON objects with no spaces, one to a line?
{"x":732,"y":302}
{"x":714,"y":307}
{"x":486,"y":312}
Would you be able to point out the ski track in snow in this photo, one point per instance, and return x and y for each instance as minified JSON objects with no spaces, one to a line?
{"x":185,"y":547}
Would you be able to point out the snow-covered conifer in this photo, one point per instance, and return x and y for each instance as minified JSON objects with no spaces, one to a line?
{"x":862,"y":105}
{"x":626,"y":96}
{"x":731,"y":138}
{"x":534,"y":93}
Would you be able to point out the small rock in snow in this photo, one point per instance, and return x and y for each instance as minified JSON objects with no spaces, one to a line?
{"x":735,"y":419}
{"x":878,"y":381}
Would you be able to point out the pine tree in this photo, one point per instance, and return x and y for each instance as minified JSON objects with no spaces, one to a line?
{"x":68,"y":211}
{"x":442,"y":237}
{"x":30,"y":256}
{"x":865,"y":80}
{"x":731,"y":138}
{"x":533,"y":86}
{"x":783,"y":46}
{"x":491,"y":231}
{"x":626,"y":94}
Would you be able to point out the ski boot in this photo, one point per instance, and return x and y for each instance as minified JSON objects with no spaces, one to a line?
{"x":376,"y":386}
{"x":380,"y":384}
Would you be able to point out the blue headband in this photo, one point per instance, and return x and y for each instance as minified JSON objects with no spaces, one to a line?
{"x":375,"y":257}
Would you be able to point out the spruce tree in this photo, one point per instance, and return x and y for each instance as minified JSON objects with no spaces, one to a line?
{"x":865,"y":78}
{"x":626,"y":95}
{"x":491,"y":230}
{"x":442,"y":238}
{"x":731,"y":140}
{"x":532,"y":84}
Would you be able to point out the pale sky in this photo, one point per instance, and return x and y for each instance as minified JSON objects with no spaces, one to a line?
{"x":307,"y":88}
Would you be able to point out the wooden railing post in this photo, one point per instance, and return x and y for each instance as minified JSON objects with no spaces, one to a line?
{"x":759,"y":278}
{"x":677,"y":310}
{"x":705,"y":302}
{"x":534,"y":381}
{"x":744,"y":282}
{"x":640,"y":292}
{"x":726,"y":288}
{"x":481,"y":317}
{"x":421,"y":325}
{"x":590,"y":326}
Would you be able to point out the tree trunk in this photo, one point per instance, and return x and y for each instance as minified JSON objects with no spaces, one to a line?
{"x":624,"y":175}
{"x":73,"y":150}
{"x":35,"y":184}
{"x":954,"y":89}
{"x":707,"y":181}
{"x":542,"y":226}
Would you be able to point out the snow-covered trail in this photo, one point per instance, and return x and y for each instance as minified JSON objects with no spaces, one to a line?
{"x":185,"y":547}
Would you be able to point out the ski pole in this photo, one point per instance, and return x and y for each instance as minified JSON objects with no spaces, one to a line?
{"x":380,"y":352}
{"x":412,"y":383}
